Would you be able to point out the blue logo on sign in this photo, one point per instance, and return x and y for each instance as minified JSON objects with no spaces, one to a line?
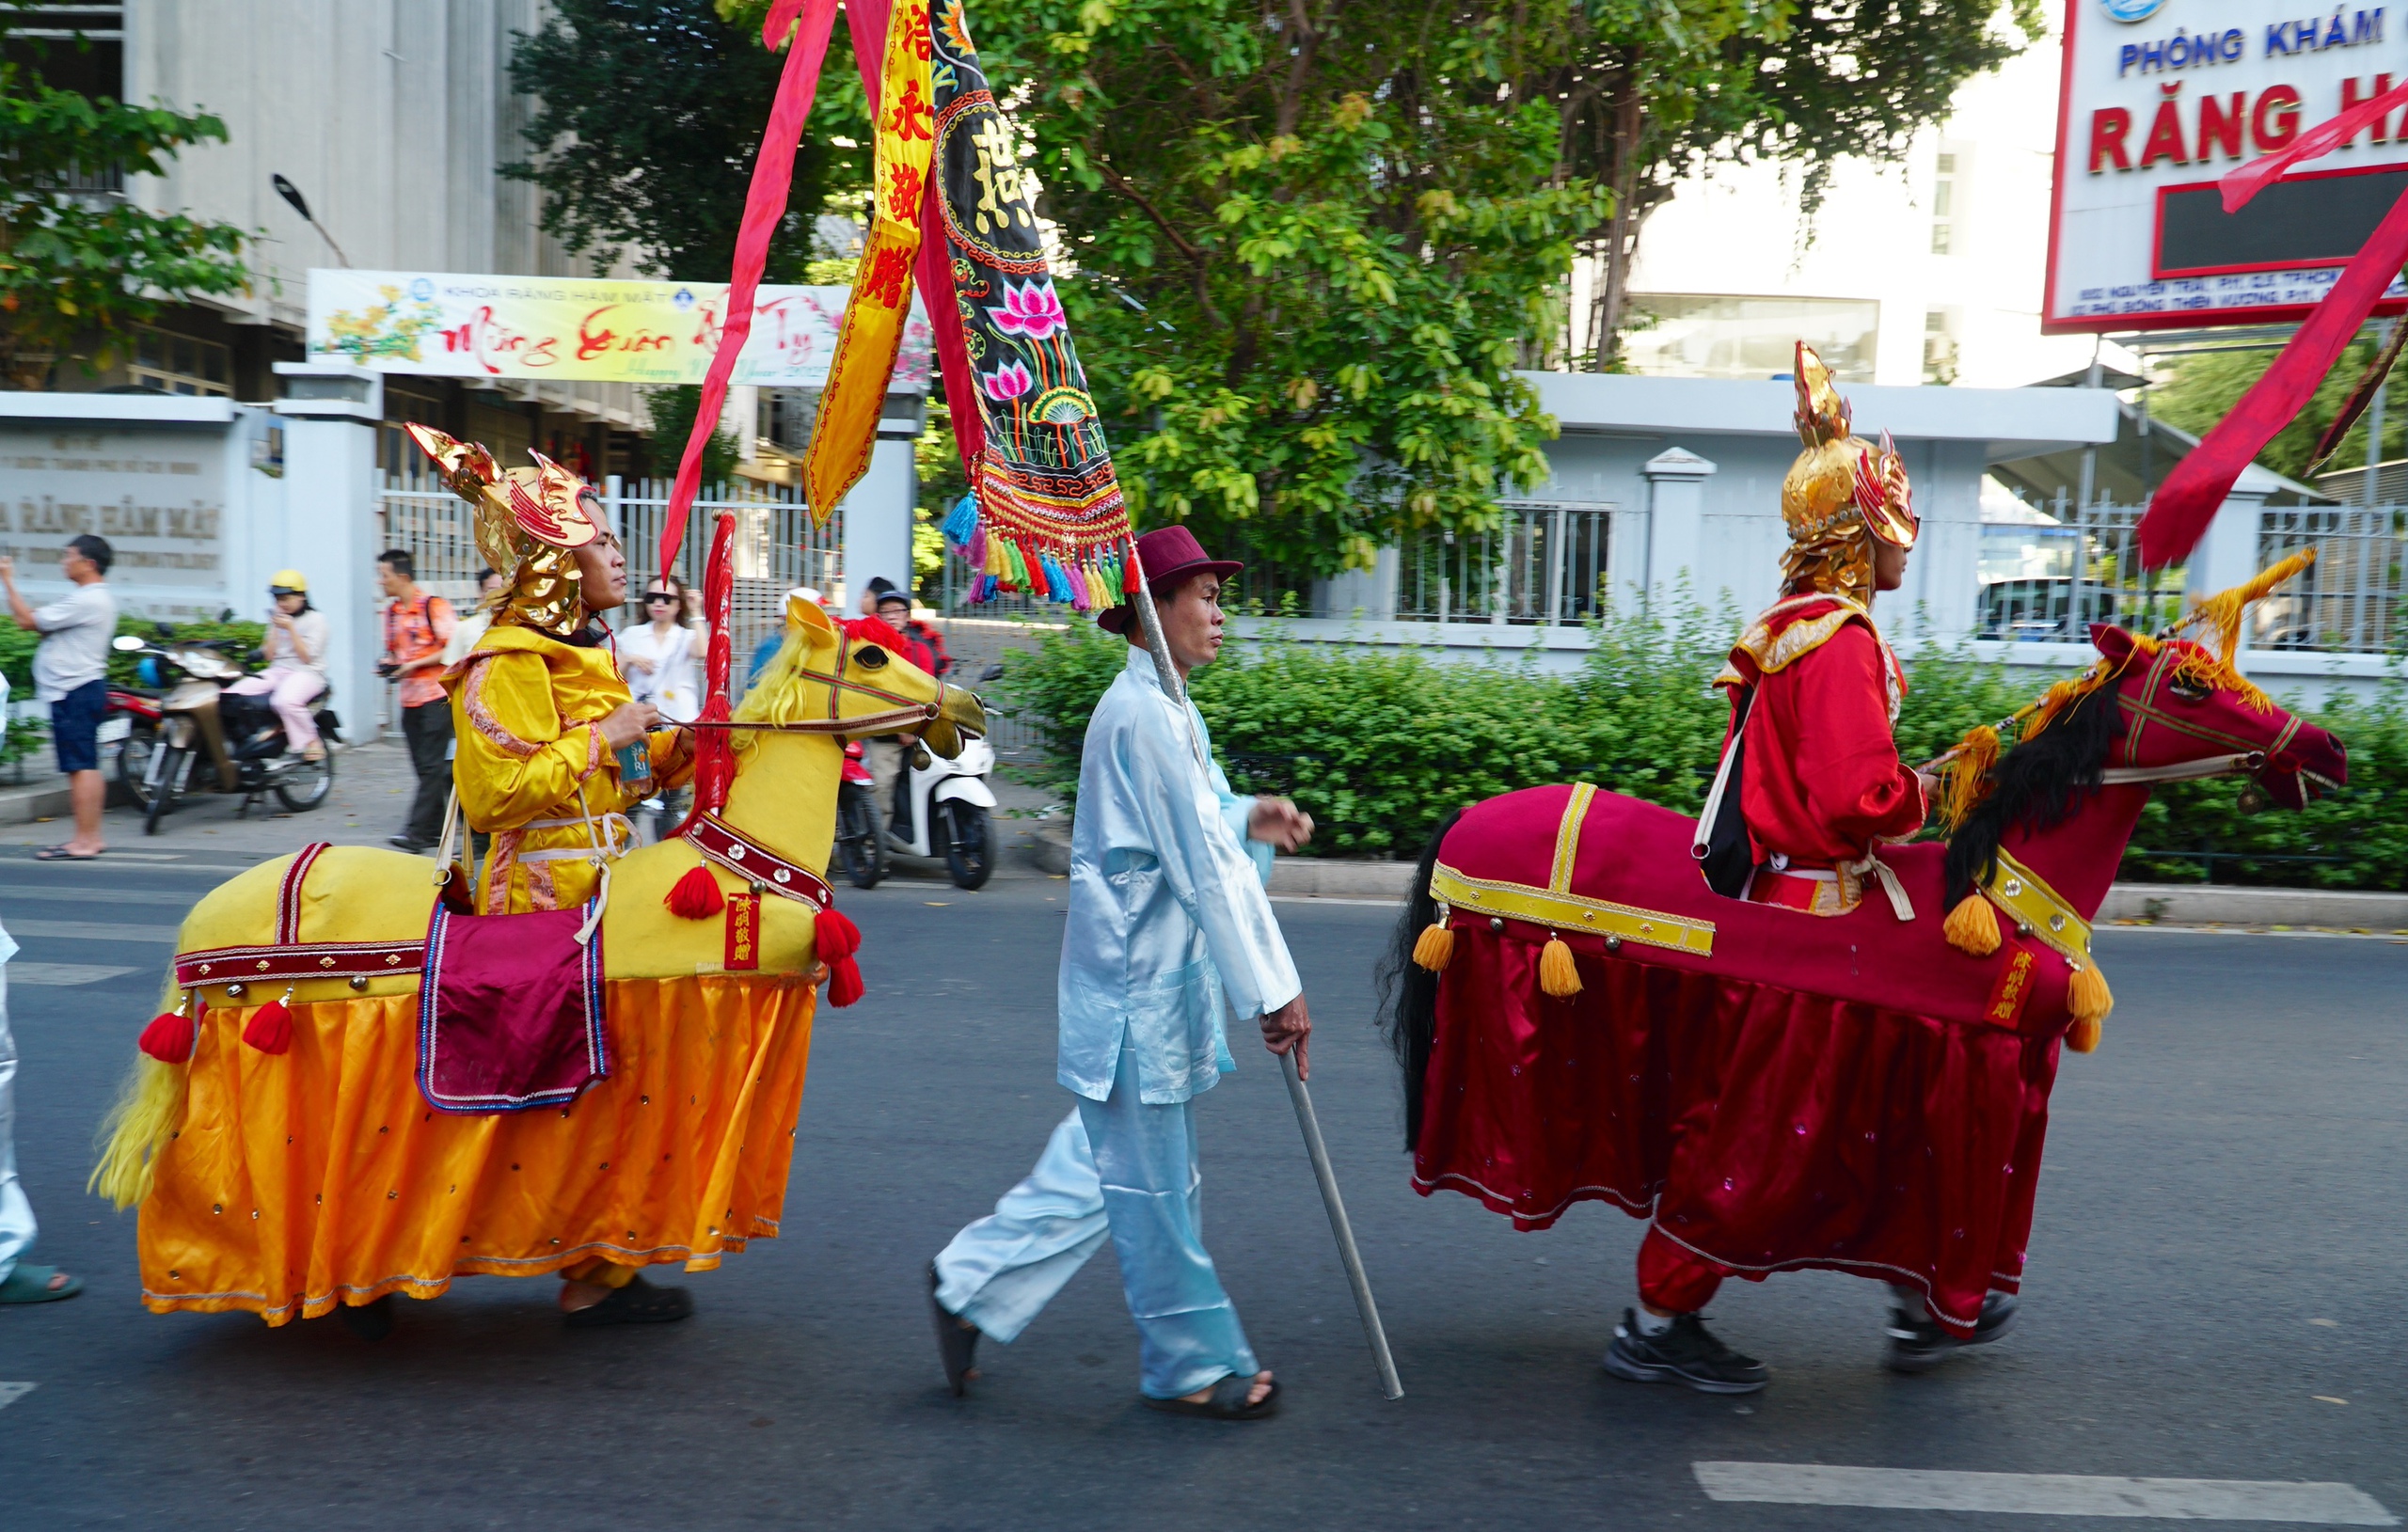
{"x":2131,"y":10}
{"x":422,"y":289}
{"x":685,"y":299}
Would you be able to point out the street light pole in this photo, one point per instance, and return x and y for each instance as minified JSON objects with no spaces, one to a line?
{"x":299,"y":204}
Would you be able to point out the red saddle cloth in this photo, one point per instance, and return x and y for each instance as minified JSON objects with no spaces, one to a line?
{"x":510,"y":1011}
{"x":1843,"y":1092}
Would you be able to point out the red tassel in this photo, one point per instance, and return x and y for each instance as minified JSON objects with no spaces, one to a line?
{"x":270,"y":1026}
{"x":833,"y":937}
{"x":1129,"y":572}
{"x":170,"y":1037}
{"x":844,"y":981}
{"x":696,"y":896}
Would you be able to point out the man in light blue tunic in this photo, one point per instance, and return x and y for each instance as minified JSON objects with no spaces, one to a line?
{"x":1169,"y":921}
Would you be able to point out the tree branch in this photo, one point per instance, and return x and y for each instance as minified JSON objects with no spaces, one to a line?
{"x":1195,"y":256}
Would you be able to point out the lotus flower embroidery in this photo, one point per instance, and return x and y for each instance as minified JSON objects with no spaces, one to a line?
{"x":1031,"y":309}
{"x":1009,"y":381}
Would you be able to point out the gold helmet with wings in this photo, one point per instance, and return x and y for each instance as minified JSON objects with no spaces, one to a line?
{"x":530,"y":523}
{"x":1840,"y":495}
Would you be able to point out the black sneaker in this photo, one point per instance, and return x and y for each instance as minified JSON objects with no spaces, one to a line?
{"x":1919,"y":1343}
{"x":1687,"y":1353}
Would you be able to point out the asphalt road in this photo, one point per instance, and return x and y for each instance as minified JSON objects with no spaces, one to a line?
{"x":2216,"y":1292}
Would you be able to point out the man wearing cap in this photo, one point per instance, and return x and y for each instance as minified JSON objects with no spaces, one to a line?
{"x":1169,"y":921}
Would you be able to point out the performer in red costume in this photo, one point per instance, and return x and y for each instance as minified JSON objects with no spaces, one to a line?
{"x":1814,"y":691}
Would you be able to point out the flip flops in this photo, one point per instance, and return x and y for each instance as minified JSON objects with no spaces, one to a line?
{"x":638,"y":1302}
{"x":60,"y":853}
{"x":1227,"y":1401}
{"x":29,"y":1284}
{"x":956,"y":1346}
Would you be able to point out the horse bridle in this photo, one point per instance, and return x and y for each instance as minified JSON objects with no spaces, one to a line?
{"x":905,"y":715}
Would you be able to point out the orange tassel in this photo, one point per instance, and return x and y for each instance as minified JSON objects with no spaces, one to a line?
{"x":1435,"y":947}
{"x":170,"y":1037}
{"x":1558,"y":974}
{"x":270,"y":1030}
{"x":696,"y":896}
{"x":2089,"y":999}
{"x":1972,"y":926}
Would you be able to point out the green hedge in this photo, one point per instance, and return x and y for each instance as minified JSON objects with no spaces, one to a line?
{"x":17,"y":647}
{"x":1379,"y":744}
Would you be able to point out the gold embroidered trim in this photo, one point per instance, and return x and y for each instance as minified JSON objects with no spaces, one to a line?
{"x":2038,"y":909}
{"x":1564,"y":911}
{"x":473,"y":696}
{"x":1567,"y":837}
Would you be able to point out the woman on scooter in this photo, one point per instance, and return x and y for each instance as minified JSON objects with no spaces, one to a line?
{"x":296,"y":663}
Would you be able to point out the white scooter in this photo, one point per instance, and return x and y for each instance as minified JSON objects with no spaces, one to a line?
{"x":941,"y":810}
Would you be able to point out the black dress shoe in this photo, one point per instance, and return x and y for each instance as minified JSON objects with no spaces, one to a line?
{"x":405,"y":844}
{"x":1688,"y":1353}
{"x":956,"y":1343}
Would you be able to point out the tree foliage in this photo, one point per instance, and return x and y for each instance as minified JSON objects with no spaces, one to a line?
{"x":80,"y":268}
{"x":2202,"y":390}
{"x":649,"y":113}
{"x":1308,"y":242}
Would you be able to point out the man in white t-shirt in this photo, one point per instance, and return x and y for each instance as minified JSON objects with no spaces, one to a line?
{"x":70,"y":674}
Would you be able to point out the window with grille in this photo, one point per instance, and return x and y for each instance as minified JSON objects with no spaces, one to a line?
{"x":1944,"y":207}
{"x":178,"y":364}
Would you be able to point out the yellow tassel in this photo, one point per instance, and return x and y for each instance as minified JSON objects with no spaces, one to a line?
{"x":2221,"y":612}
{"x":1965,"y":776}
{"x":2090,"y":1001}
{"x":1558,"y":974}
{"x":1435,"y":947}
{"x":1971,"y":926}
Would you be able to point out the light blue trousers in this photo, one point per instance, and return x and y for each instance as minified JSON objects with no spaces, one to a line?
{"x":1117,"y":1168}
{"x":16,"y":1213}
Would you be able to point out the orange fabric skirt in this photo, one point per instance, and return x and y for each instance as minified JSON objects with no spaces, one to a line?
{"x":320,"y":1175}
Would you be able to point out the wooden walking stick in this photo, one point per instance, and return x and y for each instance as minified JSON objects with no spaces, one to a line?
{"x":1150,"y":621}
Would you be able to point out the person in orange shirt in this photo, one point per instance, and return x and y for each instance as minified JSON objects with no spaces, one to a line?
{"x":417,"y":627}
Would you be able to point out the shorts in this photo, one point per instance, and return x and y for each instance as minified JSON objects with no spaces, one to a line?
{"x":75,"y":726}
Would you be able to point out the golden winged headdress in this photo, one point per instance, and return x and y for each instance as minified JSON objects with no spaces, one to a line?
{"x":1841,"y":494}
{"x":530,"y":523}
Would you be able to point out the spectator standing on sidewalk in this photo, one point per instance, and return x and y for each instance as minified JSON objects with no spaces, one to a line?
{"x":417,"y":625}
{"x":70,"y":674}
{"x":472,"y":627}
{"x":662,"y":659}
{"x":20,"y":1282}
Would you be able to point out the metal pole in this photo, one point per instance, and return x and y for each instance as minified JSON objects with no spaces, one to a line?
{"x":1151,"y":622}
{"x":1352,"y":1258}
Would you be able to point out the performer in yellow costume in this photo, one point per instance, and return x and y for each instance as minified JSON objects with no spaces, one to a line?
{"x":548,"y":731}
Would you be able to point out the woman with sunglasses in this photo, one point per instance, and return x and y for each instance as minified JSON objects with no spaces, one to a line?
{"x":662,"y":657}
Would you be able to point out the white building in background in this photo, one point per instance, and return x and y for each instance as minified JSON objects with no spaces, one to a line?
{"x":1925,"y":271}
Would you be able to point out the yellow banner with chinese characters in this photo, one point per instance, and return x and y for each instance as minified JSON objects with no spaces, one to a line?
{"x":867,"y":342}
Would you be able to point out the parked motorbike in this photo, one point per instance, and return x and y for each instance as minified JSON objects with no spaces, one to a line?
{"x":860,"y":849}
{"x":131,"y":724}
{"x":941,"y":808}
{"x":209,"y":740}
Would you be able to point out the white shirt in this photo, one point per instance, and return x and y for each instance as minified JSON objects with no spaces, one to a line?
{"x":310,"y":628}
{"x":75,"y":632}
{"x":674,"y":685}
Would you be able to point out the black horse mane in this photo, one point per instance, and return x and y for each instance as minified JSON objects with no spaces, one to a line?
{"x":2038,"y":783}
{"x":1408,"y":992}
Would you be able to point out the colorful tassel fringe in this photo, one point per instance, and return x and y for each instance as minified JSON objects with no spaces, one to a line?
{"x":270,"y":1029}
{"x":963,"y":523}
{"x":696,"y":896}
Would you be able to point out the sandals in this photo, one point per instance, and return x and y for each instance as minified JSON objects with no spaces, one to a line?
{"x":29,"y":1284}
{"x":60,"y":853}
{"x":1226,"y":1403}
{"x":638,"y":1302}
{"x":957,"y":1346}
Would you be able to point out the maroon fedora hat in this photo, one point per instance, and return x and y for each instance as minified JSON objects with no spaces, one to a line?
{"x":1169,"y":555}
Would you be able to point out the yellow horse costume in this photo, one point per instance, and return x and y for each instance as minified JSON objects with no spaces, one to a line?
{"x":286,"y":1183}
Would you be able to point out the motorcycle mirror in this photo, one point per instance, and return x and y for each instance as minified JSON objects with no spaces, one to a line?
{"x":125,"y":643}
{"x":993,"y":672}
{"x":226,"y":616}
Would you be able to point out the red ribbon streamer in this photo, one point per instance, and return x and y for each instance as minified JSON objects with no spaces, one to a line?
{"x":2179,"y":515}
{"x":764,"y":205}
{"x":2245,"y":181}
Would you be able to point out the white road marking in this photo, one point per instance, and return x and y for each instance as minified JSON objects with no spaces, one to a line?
{"x":112,"y":856}
{"x":91,"y":931}
{"x":11,"y":1393}
{"x":62,"y":973}
{"x":2043,"y":1495}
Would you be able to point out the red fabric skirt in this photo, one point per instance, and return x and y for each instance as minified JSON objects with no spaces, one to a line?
{"x":1762,"y":1128}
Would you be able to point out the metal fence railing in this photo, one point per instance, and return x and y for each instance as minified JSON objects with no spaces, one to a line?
{"x":2349,"y":601}
{"x":1545,"y":564}
{"x":776,"y":549}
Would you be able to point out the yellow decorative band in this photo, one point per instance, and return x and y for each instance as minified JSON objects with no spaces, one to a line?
{"x":1567,"y":837}
{"x":1570,"y":912}
{"x":2039,"y":909}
